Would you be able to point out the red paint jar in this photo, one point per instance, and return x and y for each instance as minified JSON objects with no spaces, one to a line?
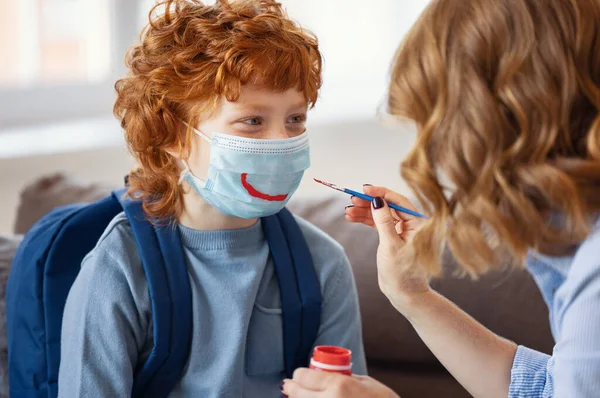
{"x":332,"y":359}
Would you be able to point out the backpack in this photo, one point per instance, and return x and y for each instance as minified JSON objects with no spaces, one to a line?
{"x":49,"y":259}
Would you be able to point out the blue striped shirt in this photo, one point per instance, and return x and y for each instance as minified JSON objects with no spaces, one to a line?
{"x":571,"y":288}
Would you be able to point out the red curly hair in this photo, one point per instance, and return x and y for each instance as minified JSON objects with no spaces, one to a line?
{"x":190,"y":55}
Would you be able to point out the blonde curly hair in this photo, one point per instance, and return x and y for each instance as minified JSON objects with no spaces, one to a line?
{"x":506,"y":98}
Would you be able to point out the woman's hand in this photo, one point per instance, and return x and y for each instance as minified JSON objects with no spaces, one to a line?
{"x":476,"y":357}
{"x":309,"y":383}
{"x":401,"y":283}
{"x":361,"y":211}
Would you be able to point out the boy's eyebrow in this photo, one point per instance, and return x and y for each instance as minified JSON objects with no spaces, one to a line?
{"x":266,"y":108}
{"x":254,"y":107}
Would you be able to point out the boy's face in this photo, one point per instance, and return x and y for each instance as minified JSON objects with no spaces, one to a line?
{"x":258,"y":113}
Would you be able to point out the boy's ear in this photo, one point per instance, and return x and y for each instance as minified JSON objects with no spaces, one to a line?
{"x":178,"y":149}
{"x":175,"y":152}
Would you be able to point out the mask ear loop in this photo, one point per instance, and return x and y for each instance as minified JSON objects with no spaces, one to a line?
{"x":200,"y":133}
{"x":186,"y":169}
{"x":195,"y":181}
{"x":203,"y":136}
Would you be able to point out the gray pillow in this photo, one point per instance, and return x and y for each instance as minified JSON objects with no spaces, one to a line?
{"x":51,"y":191}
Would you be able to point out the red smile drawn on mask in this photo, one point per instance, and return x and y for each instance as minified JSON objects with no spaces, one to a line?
{"x":257,"y":194}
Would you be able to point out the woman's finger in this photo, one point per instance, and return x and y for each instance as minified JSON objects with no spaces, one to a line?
{"x":359,"y":214}
{"x":392,"y":197}
{"x":400,"y":227}
{"x":407,"y":236}
{"x":362,"y":220}
{"x":292,"y":389}
{"x":355,"y":218}
{"x":358,"y":211}
{"x":365,"y":216}
{"x":360,"y":202}
{"x":314,"y":380}
{"x":413,"y":225}
{"x":385,"y":223}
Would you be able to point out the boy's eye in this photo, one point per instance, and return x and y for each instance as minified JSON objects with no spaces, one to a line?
{"x":253,"y":121}
{"x":297,"y":119}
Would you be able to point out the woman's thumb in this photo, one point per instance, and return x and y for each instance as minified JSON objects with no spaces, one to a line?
{"x":384,"y":221}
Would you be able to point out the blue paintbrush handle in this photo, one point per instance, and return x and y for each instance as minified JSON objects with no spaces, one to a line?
{"x":393,"y":206}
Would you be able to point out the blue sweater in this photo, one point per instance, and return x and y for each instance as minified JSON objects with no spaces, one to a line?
{"x":237,"y":343}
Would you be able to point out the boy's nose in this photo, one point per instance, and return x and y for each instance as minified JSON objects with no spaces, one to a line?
{"x":279,"y":134}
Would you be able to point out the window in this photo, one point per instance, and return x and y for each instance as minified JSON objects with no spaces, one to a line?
{"x":54,"y":42}
{"x":358,"y":40}
{"x":60,"y":58}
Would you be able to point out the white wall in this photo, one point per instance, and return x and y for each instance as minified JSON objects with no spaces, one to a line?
{"x":358,"y":39}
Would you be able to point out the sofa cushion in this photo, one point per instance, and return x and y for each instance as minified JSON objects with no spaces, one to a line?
{"x":508,"y":303}
{"x":52,"y":191}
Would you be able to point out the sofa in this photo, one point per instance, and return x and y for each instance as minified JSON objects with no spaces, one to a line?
{"x":508,"y":303}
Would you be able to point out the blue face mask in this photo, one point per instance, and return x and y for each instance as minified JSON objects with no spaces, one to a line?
{"x":248,"y":177}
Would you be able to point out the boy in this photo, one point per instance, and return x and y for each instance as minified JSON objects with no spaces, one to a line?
{"x":214,"y":111}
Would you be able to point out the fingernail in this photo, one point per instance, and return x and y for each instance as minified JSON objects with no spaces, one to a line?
{"x":367,"y":185}
{"x":349,"y":206}
{"x":378,"y":203}
{"x":281,"y":389}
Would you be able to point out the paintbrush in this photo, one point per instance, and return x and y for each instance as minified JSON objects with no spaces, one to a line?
{"x":369,"y":198}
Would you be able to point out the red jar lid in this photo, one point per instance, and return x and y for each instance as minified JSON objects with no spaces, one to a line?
{"x":332,"y":355}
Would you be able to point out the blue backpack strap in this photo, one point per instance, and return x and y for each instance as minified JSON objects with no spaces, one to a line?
{"x":165,"y":267}
{"x":309,"y":285}
{"x":291,"y":304}
{"x":299,"y":285}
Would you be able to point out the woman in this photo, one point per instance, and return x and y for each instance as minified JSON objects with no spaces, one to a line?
{"x":214,"y":111}
{"x":506,"y":98}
